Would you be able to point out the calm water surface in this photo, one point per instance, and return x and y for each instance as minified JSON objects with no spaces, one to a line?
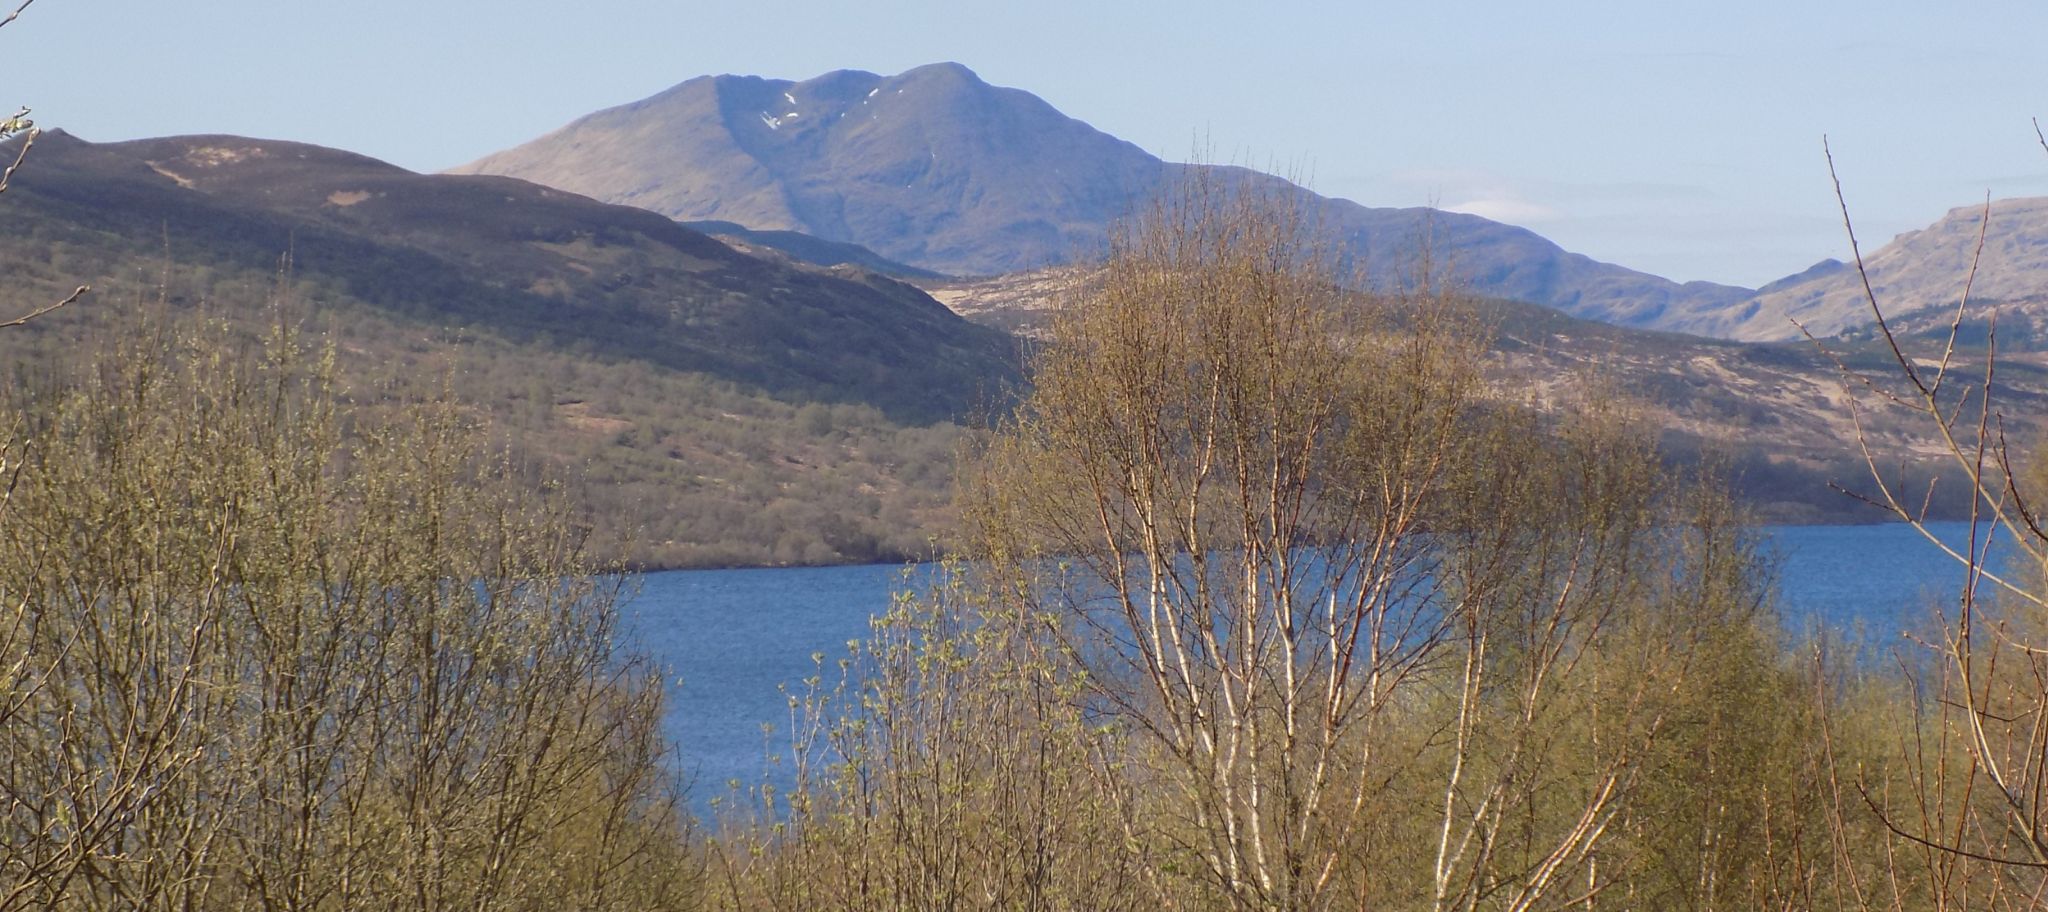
{"x":734,"y":638}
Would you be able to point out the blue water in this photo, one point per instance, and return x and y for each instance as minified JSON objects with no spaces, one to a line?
{"x":1867,"y":583}
{"x":734,"y":638}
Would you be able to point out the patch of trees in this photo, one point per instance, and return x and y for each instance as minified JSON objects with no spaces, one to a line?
{"x":1273,"y":607}
{"x":258,"y":650}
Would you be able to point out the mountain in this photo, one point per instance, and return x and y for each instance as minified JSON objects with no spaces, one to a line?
{"x":518,"y":260}
{"x":938,"y":169}
{"x":1917,"y":271}
{"x":932,"y":167}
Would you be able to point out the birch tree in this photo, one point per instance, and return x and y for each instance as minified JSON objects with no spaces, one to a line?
{"x":1317,"y":567}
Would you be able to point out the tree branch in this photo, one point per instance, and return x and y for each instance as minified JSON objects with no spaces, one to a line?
{"x":24,"y":318}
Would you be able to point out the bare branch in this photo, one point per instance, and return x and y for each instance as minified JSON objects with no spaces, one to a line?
{"x":1863,"y":273}
{"x":1945,"y":848}
{"x":1963,"y":303}
{"x":1842,"y":367}
{"x":16,"y":14}
{"x":28,"y":141}
{"x":24,"y":318}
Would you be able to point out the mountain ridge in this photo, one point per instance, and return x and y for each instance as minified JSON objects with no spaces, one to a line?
{"x":1918,"y":270}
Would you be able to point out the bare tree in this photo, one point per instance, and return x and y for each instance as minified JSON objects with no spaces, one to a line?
{"x":949,"y":767}
{"x":1966,"y":798}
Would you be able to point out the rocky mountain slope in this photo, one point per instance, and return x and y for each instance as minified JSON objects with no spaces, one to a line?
{"x":938,"y":169}
{"x":1915,"y":272}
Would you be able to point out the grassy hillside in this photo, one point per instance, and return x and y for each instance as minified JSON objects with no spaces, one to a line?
{"x":498,"y":255}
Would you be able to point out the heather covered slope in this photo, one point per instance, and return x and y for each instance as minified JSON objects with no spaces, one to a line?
{"x":511,"y":258}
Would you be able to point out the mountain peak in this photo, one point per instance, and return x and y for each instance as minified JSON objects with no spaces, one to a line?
{"x":931,"y":167}
{"x":1824,"y":268}
{"x":942,"y":73}
{"x":838,"y":86}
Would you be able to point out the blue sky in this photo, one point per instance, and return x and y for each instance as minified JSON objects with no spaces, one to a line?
{"x":1680,"y":138}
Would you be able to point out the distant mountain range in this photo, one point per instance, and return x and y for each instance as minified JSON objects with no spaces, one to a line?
{"x":940,"y":170}
{"x":782,"y":392}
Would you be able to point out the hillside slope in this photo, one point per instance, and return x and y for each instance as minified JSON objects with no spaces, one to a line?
{"x":707,"y":407}
{"x":1776,"y":413}
{"x":515,"y":259}
{"x":1916,"y":271}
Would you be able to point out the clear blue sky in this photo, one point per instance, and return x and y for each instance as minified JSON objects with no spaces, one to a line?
{"x":1681,"y":138}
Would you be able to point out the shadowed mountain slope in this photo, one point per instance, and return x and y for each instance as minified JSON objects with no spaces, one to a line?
{"x":512,"y":258}
{"x":704,"y":407}
{"x":805,"y":248}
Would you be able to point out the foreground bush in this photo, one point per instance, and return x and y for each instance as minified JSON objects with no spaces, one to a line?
{"x":262,"y":650}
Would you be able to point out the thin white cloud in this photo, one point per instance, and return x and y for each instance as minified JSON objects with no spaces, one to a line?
{"x":1506,"y":209}
{"x":1477,"y":192}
